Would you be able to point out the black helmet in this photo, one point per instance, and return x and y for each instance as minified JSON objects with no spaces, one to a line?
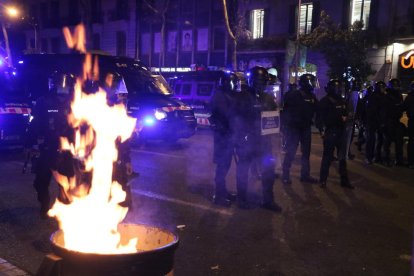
{"x":334,"y":87}
{"x":257,"y":77}
{"x":61,"y":83}
{"x":356,"y":84}
{"x":307,"y":82}
{"x":380,"y":87}
{"x":229,"y":81}
{"x":411,"y":86}
{"x":90,"y":86}
{"x":292,"y":87}
{"x":394,"y":84}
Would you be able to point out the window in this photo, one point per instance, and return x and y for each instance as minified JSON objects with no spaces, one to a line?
{"x":96,"y":41}
{"x":256,"y":23}
{"x":218,"y":39}
{"x":186,"y":89}
{"x":122,"y":10}
{"x":54,"y":15}
{"x":360,"y":11}
{"x":120,"y":44}
{"x":55,"y":45}
{"x":204,"y":89}
{"x":177,"y":89}
{"x":305,"y":22}
{"x":44,"y":46}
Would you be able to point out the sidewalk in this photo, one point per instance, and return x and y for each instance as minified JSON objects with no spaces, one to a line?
{"x":7,"y":269}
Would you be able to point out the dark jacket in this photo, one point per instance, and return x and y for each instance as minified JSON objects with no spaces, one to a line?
{"x":50,"y":122}
{"x":374,"y":108}
{"x":408,"y":107}
{"x":393,"y":107}
{"x":330,"y":113}
{"x":299,"y":109}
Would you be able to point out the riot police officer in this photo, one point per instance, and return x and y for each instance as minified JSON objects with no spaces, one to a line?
{"x":117,"y":93}
{"x":408,"y":107}
{"x":394,"y":129}
{"x":222,"y":113}
{"x":299,"y":110}
{"x":48,"y":125}
{"x":374,"y":106}
{"x":250,"y":142}
{"x":331,"y":121}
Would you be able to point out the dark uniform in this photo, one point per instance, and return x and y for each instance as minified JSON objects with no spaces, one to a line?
{"x":331,"y":122}
{"x":299,"y":110}
{"x":116,"y":94}
{"x":361,"y":117}
{"x":222,"y":113}
{"x":250,"y":144}
{"x":48,"y":125}
{"x":394,"y":129}
{"x":374,"y":107}
{"x":408,"y":107}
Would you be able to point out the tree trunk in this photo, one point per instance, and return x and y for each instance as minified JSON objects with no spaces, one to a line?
{"x":232,"y":36}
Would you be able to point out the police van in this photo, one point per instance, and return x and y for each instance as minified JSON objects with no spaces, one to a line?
{"x":14,"y":110}
{"x":150,"y":100}
{"x":196,"y":89}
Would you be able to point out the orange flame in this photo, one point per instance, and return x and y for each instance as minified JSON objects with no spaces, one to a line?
{"x":89,"y":223}
{"x":77,"y":40}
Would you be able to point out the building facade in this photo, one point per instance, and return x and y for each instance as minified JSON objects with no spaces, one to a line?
{"x":190,"y":32}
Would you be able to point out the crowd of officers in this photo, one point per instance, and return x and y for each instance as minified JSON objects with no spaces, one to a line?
{"x":237,"y":110}
{"x":236,"y":117}
{"x":380,"y":124}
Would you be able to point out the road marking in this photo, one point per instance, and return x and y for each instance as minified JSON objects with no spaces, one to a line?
{"x":156,"y":153}
{"x":18,"y":163}
{"x":181,"y":202}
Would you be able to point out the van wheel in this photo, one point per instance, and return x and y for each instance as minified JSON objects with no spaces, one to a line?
{"x":171,"y":140}
{"x":136,"y":140}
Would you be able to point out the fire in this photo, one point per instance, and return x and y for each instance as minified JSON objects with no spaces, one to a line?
{"x":90,"y":221}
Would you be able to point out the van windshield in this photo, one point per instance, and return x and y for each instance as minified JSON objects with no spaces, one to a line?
{"x":139,"y":82}
{"x":10,"y":87}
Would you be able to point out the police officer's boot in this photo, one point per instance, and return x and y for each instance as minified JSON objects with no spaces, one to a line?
{"x":345,"y":183}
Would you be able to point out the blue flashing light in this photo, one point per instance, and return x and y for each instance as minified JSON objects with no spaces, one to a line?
{"x":228,"y":71}
{"x":248,"y":74}
{"x":14,"y":73}
{"x":149,"y":121}
{"x":1,"y":62}
{"x":20,"y":61}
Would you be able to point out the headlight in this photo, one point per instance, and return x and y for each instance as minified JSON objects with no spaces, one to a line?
{"x":149,"y":120}
{"x":159,"y":114}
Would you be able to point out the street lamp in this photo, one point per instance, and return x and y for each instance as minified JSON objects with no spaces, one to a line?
{"x":11,"y":12}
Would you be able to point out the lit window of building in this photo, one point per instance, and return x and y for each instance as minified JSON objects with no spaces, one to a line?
{"x":360,"y":11}
{"x":305,"y":23}
{"x":256,"y":23}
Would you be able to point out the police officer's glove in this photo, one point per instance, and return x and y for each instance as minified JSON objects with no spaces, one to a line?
{"x":128,"y":167}
{"x":322,"y":133}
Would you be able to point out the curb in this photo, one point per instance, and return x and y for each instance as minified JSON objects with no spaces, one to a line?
{"x":7,"y":269}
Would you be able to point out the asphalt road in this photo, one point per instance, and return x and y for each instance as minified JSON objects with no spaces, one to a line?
{"x":366,"y":231}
